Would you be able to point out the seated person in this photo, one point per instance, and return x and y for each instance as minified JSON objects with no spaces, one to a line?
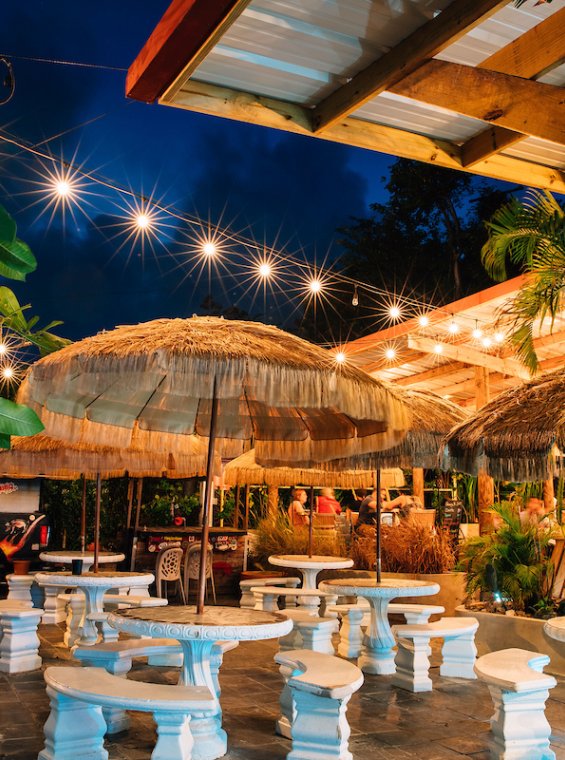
{"x":536,"y":515}
{"x":327,"y":504}
{"x":368,"y":510}
{"x":296,"y":512}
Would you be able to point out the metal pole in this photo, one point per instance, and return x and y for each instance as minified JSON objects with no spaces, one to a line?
{"x":378,"y":531}
{"x":97,"y":522}
{"x":130,"y":502}
{"x":311,"y":524}
{"x":207,"y":505}
{"x":83,"y":516}
{"x":138,"y":505}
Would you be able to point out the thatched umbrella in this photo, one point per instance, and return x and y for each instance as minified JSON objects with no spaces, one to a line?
{"x":154,"y":385}
{"x":514,"y":436}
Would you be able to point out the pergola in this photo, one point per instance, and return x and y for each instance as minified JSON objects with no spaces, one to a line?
{"x":475,"y":85}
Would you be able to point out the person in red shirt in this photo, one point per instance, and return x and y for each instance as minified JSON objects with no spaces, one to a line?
{"x":327,"y":503}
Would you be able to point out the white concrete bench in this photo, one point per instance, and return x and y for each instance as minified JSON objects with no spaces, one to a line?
{"x":309,"y":632}
{"x":117,"y":658}
{"x":248,"y":600}
{"x":519,"y":690}
{"x":76,"y":727}
{"x":266,"y":598}
{"x":412,"y":658}
{"x":19,"y":644}
{"x":314,"y":703}
{"x":23,"y":588}
{"x":356,"y":616}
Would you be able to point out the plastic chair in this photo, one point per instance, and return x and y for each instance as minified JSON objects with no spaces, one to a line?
{"x":168,"y":569}
{"x":191,"y":567}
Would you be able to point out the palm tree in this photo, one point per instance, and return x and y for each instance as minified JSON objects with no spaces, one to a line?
{"x":531,"y":235}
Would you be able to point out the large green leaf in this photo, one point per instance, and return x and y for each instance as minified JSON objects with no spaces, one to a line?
{"x":47,"y":342}
{"x":7,"y":227}
{"x":11,"y":309}
{"x":17,"y":419}
{"x":4,"y":441}
{"x":16,"y":259}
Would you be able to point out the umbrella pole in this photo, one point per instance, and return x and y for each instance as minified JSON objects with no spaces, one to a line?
{"x":130,"y":502}
{"x":207,"y":505}
{"x":83,"y":516}
{"x":97,"y":523}
{"x":311,"y":523}
{"x":378,"y":526}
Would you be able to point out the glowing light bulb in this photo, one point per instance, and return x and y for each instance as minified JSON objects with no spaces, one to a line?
{"x":63,"y":188}
{"x":142,"y":221}
{"x":499,"y":337}
{"x":265,"y":270}
{"x":7,"y":373}
{"x":423,"y":321}
{"x":438,"y":348}
{"x":340,"y":357}
{"x":315,"y":286}
{"x":390,"y":353}
{"x":453,"y":328}
{"x":209,"y":248}
{"x":487,"y":342}
{"x":3,"y":349}
{"x":355,"y":299}
{"x":477,"y":333}
{"x":394,"y":312}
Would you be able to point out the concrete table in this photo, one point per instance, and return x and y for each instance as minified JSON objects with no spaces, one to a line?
{"x":555,"y":628}
{"x":310,"y":566}
{"x":63,"y":557}
{"x":93,"y":586}
{"x":377,"y":655}
{"x":197,"y":635}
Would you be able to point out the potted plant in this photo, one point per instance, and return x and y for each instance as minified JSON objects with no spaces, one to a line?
{"x":511,"y":569}
{"x":413,"y":551}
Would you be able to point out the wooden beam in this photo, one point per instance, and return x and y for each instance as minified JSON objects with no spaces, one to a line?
{"x":182,"y":38}
{"x":530,"y":56}
{"x":471,"y":356}
{"x":447,"y":27}
{"x":254,"y":109}
{"x":522,"y":105}
{"x":431,"y":374}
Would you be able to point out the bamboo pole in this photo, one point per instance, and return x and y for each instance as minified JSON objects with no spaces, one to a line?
{"x":311,"y":523}
{"x":97,"y":522}
{"x":83,"y":516}
{"x":207,"y":505}
{"x":246,"y":518}
{"x":378,"y":526}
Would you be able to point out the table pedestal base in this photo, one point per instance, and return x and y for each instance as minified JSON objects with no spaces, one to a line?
{"x":95,"y":603}
{"x":377,"y":654}
{"x":210,"y":739}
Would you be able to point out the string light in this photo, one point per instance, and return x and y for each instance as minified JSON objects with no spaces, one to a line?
{"x":264,"y":269}
{"x":453,"y":327}
{"x":315,"y":286}
{"x":340,"y":357}
{"x":3,"y":349}
{"x":390,"y":353}
{"x":477,"y":332}
{"x":423,"y":320}
{"x":209,"y":248}
{"x":486,"y":341}
{"x":499,"y":337}
{"x":394,"y":312}
{"x":438,"y":348}
{"x":355,"y":299}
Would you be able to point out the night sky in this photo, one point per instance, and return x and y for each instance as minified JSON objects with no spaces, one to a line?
{"x":286,"y":190}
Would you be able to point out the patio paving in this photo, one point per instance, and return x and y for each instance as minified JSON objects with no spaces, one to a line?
{"x":450,"y":722}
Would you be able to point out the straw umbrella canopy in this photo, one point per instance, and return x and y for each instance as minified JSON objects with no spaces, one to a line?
{"x":156,"y":384}
{"x":244,"y":470}
{"x":514,"y":436}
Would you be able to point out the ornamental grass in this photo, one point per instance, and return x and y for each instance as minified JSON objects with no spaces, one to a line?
{"x":275,"y":535}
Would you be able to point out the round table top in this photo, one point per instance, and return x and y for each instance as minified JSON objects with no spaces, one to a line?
{"x":555,"y":628}
{"x":315,"y":562}
{"x":216,"y":623}
{"x":388,"y":588}
{"x":107,"y":578}
{"x":66,"y":557}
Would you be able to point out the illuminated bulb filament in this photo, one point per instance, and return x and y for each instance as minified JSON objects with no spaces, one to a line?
{"x":340,"y":357}
{"x":390,"y":353}
{"x":477,"y":333}
{"x":3,"y":349}
{"x":265,"y":270}
{"x":394,"y":312}
{"x":453,"y":328}
{"x":499,"y":337}
{"x":7,"y":373}
{"x":315,"y":286}
{"x":438,"y":348}
{"x":209,"y":249}
{"x":487,"y":342}
{"x":63,"y":188}
{"x":142,"y":221}
{"x":423,"y":321}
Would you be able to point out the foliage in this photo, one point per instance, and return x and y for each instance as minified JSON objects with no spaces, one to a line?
{"x":169,"y":500}
{"x":511,"y":564}
{"x":466,"y":487}
{"x":275,"y":535}
{"x":405,"y":548}
{"x":531,"y":236}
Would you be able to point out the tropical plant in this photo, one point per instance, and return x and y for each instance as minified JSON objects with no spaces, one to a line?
{"x":529,"y":234}
{"x":511,"y":564}
{"x":168,"y":501}
{"x":275,"y":535}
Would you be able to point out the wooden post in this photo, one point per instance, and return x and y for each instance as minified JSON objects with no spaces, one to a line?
{"x":418,"y":483}
{"x":485,"y":484}
{"x":97,"y":522}
{"x":378,"y":526}
{"x":311,"y":523}
{"x":207,"y":510}
{"x":130,"y":502}
{"x":246,"y":518}
{"x":272,"y":501}
{"x":548,"y":495}
{"x":83,"y":516}
{"x":236,"y":510}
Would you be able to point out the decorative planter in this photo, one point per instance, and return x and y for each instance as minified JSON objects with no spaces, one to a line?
{"x":451,"y":593}
{"x":21,"y":566}
{"x":509,"y":631}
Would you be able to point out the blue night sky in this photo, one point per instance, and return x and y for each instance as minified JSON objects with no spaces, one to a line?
{"x":282,"y":189}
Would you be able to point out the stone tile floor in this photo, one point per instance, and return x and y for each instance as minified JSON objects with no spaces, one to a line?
{"x":386,"y":723}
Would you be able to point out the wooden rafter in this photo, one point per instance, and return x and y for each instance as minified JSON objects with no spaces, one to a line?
{"x":529,"y":56}
{"x":522,"y":105}
{"x":183,"y":37}
{"x":453,"y":22}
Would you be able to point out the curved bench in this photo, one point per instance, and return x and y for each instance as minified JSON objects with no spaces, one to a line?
{"x":248,"y":600}
{"x":266,"y":597}
{"x":412,"y":658}
{"x":19,"y":644}
{"x":75,"y":727}
{"x":116,"y":657}
{"x":519,"y":689}
{"x":309,"y":632}
{"x":314,"y":703}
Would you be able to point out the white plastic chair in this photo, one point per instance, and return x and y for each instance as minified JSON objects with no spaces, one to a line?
{"x":168,"y":570}
{"x":191,"y":565}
